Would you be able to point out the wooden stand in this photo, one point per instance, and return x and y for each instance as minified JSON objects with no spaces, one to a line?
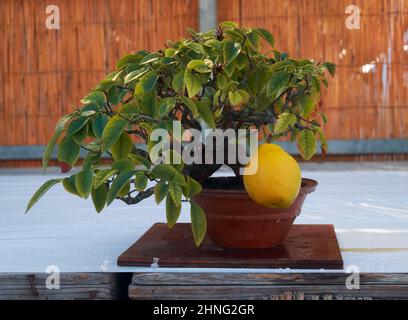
{"x":306,"y":247}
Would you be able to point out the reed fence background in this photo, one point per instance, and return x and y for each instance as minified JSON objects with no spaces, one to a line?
{"x":44,"y":73}
{"x":359,"y":105}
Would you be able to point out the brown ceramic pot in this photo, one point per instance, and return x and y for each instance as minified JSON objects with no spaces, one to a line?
{"x":234,"y":220}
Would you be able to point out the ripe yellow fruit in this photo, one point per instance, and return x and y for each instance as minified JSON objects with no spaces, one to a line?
{"x":277,"y":181}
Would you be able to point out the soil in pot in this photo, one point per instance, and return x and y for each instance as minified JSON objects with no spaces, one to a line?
{"x":234,"y":220}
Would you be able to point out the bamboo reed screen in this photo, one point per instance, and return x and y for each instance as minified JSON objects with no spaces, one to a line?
{"x":44,"y":73}
{"x":360,"y":105}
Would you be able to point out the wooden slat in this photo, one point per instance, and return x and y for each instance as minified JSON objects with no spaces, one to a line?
{"x":276,"y":286}
{"x":83,"y":286}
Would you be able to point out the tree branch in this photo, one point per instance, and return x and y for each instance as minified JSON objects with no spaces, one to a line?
{"x":138,"y":198}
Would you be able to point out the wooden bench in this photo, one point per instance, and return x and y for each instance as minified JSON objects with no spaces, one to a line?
{"x":82,"y":286}
{"x":274,"y":286}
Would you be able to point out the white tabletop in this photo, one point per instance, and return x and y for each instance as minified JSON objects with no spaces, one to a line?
{"x":367,"y":203}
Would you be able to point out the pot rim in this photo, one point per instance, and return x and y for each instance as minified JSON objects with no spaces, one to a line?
{"x":272,"y":217}
{"x":307,"y":186}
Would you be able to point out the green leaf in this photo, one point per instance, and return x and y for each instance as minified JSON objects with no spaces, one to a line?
{"x":180,"y":180}
{"x":193,"y":188}
{"x":83,"y":183}
{"x":160,"y":191}
{"x":123,"y":165}
{"x":234,"y":98}
{"x":113,"y":131}
{"x":94,"y":97}
{"x":244,"y":95}
{"x":125,"y":60}
{"x":222,"y":81}
{"x":231,"y":51}
{"x":307,"y":105}
{"x":234,"y":35}
{"x":148,"y":104}
{"x":41,"y":191}
{"x":172,"y":211}
{"x":230,"y":69}
{"x":115,"y":94}
{"x":257,"y":80}
{"x":59,"y":129}
{"x":276,"y":82}
{"x":316,"y":83}
{"x":151,"y":57}
{"x":213,"y":44}
{"x":241,"y":61}
{"x":199,"y":66}
{"x":138,"y":159}
{"x":93,"y":146}
{"x":237,"y":97}
{"x":136,"y":74}
{"x":125,"y":190}
{"x":140,"y":181}
{"x":166,"y":61}
{"x":192,"y":82}
{"x":196,"y":47}
{"x":122,"y":147}
{"x":267,"y":36}
{"x":89,"y":110}
{"x":204,"y":110}
{"x":165,"y":106}
{"x":105,"y":84}
{"x":253,"y":38}
{"x":178,"y":82}
{"x":117,"y":184}
{"x":69,"y":185}
{"x":170,"y":52}
{"x":324,"y":117}
{"x":98,"y":124}
{"x":91,"y":160}
{"x":306,"y":142}
{"x":99,"y":197}
{"x":68,"y":151}
{"x":130,"y":109}
{"x":190,"y":104}
{"x":228,"y":25}
{"x":164,"y":171}
{"x":175,"y":192}
{"x":331,"y":67}
{"x":285,"y":121}
{"x":198,"y":223}
{"x":81,"y":135}
{"x":146,"y":84}
{"x":102,"y":176}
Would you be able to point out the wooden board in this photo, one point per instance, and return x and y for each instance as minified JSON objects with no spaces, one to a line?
{"x":306,"y":247}
{"x":72,"y":286}
{"x":268,"y":286}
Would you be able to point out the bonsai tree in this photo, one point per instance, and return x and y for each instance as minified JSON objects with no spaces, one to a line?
{"x":228,"y":78}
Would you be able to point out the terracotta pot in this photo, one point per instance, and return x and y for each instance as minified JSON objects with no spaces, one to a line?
{"x":234,"y":220}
